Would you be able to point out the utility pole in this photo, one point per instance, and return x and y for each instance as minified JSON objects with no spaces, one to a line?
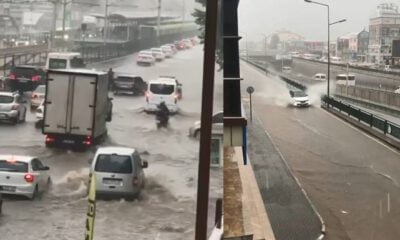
{"x":105,"y":29}
{"x":158,"y":22}
{"x":64,"y":3}
{"x":54,"y":26}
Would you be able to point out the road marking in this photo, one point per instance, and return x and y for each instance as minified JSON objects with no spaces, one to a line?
{"x":362,"y":132}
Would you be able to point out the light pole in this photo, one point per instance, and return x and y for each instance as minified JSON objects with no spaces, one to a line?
{"x":329,"y":40}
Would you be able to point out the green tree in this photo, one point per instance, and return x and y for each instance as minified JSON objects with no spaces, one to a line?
{"x":200,"y":19}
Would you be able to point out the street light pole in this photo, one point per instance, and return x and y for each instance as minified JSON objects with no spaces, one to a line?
{"x":158,"y":22}
{"x":329,"y":42}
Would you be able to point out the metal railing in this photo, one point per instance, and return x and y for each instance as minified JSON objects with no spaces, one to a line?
{"x":388,"y":128}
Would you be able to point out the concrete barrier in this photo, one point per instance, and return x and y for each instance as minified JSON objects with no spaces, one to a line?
{"x":378,"y":96}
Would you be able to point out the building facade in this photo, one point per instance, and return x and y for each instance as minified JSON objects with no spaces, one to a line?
{"x":384,"y":27}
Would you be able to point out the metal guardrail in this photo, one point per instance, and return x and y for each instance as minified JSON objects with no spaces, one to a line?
{"x":386,"y":127}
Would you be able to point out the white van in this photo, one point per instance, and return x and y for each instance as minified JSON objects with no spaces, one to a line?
{"x":320,"y":77}
{"x":346,"y":79}
{"x":163,"y":89}
{"x":64,"y":60}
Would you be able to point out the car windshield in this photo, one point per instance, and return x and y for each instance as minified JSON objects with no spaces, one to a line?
{"x":6,"y":99}
{"x":13,"y":166}
{"x":25,"y":72}
{"x":77,"y":62}
{"x":125,"y":79}
{"x":57,"y":63}
{"x":164,"y":89}
{"x":113,"y":163}
{"x":40,"y":89}
{"x":299,"y":94}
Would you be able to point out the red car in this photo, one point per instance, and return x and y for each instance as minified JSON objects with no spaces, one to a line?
{"x":179,"y":45}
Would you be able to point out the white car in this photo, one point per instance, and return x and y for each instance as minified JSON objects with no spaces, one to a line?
{"x":145,"y":58}
{"x":39,"y":113}
{"x":158,"y":54}
{"x":173,"y":47}
{"x":167,"y":51}
{"x":23,"y":175}
{"x":12,"y":107}
{"x":217,"y":125}
{"x":299,"y":98}
{"x":397,"y":91}
{"x":320,"y":77}
{"x":37,"y":96}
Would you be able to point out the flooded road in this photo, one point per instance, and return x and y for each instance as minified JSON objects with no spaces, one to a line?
{"x":352,"y":179}
{"x":166,"y":208}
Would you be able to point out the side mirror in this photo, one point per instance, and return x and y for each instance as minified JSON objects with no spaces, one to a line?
{"x":45,"y":168}
{"x":24,"y":101}
{"x":145,"y":164}
{"x":110,"y":99}
{"x":90,"y":161}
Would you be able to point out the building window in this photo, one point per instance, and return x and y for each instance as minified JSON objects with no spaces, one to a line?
{"x":216,"y":152}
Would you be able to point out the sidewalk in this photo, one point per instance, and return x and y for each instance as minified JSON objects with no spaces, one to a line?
{"x":244,"y":211}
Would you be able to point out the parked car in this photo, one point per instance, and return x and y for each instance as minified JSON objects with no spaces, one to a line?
{"x":145,"y":58}
{"x":25,"y":78}
{"x":118,"y":171}
{"x":167,"y":51}
{"x":37,"y":96}
{"x":179,"y":45}
{"x":320,"y":77}
{"x":187,"y":43}
{"x":128,"y":83}
{"x":12,"y":107}
{"x":217,"y":125}
{"x":299,"y":98}
{"x":23,"y":175}
{"x":173,"y":48}
{"x":158,"y":54}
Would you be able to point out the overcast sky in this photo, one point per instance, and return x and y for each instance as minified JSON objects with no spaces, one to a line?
{"x":309,"y":20}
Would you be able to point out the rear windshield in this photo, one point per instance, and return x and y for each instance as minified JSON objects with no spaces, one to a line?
{"x":164,"y":89}
{"x":57,"y":63}
{"x":11,"y":166}
{"x":113,"y":164}
{"x":125,"y":79}
{"x":25,"y":72}
{"x":40,"y":89}
{"x":6,"y":99}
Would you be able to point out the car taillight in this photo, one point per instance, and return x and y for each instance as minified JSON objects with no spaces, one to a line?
{"x":34,"y":95}
{"x":14,"y":107}
{"x":12,"y":76}
{"x":49,"y":139}
{"x":135,"y":181}
{"x":88,"y":141}
{"x":147,"y":96}
{"x":29,"y":178}
{"x":36,"y":78}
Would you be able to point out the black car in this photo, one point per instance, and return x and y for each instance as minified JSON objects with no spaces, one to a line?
{"x":25,"y":78}
{"x":125,"y":83}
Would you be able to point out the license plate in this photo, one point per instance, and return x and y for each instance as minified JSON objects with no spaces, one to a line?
{"x":8,"y":188}
{"x":69,"y":141}
{"x":112,"y":182}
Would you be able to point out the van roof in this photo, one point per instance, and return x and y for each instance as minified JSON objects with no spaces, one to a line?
{"x":344,"y":75}
{"x":77,"y":70}
{"x":64,"y":54}
{"x":116,"y":150}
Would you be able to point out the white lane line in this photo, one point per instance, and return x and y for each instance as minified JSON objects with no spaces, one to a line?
{"x":362,"y":132}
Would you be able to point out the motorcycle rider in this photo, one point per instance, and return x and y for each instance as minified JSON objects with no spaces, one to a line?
{"x":163,"y":113}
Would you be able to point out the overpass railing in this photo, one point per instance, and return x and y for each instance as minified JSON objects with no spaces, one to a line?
{"x":386,"y":127}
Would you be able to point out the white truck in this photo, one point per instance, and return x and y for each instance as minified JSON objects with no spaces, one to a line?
{"x":76,"y":107}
